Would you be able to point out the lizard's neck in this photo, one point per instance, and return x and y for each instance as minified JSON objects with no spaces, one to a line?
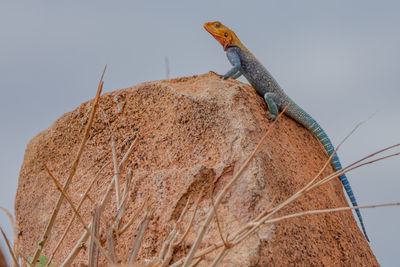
{"x":244,"y":49}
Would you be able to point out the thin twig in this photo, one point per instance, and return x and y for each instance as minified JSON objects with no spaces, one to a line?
{"x":93,"y":249}
{"x":9,"y":247}
{"x":225,"y":190}
{"x":72,"y":171}
{"x":96,"y":240}
{"x":139,"y":237}
{"x":116,"y":171}
{"x":97,"y":175}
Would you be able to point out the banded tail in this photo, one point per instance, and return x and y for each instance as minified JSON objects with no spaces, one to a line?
{"x":302,"y":117}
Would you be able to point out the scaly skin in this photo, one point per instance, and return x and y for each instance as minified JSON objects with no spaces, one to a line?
{"x":244,"y":62}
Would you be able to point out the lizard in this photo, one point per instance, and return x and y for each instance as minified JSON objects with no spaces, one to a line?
{"x":246,"y":64}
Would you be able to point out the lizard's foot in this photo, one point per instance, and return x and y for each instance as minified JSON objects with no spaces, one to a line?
{"x":224,"y":77}
{"x":272,"y":118}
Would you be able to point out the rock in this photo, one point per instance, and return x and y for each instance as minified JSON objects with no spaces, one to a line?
{"x":192,"y":133}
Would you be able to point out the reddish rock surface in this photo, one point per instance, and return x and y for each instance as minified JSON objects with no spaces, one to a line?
{"x":190,"y":130}
{"x":3,"y":261}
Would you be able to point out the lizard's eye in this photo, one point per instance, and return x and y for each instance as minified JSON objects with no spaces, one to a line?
{"x":217,"y":25}
{"x":225,"y":34}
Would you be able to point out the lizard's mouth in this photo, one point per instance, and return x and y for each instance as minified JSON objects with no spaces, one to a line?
{"x":216,"y":35}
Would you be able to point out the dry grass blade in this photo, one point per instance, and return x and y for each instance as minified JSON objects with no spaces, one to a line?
{"x":239,"y":236}
{"x":166,"y":250}
{"x":355,"y":165}
{"x":139,"y":238}
{"x":96,"y":240}
{"x":70,"y":258}
{"x":191,"y":219}
{"x":9,"y":247}
{"x":121,"y":209}
{"x":116,"y":171}
{"x":166,"y":68}
{"x":167,"y":244}
{"x":220,"y":257}
{"x":127,"y":186}
{"x":225,"y":241}
{"x":195,"y":262}
{"x":170,"y":244}
{"x":15,"y":231}
{"x":97,"y":175}
{"x":242,"y":237}
{"x":137,"y":214}
{"x":276,"y":209}
{"x":266,"y":211}
{"x":72,"y":171}
{"x":225,"y":190}
{"x":110,"y":243}
{"x":330,"y":210}
{"x":302,"y":191}
{"x":75,"y":251}
{"x":127,"y":154}
{"x":320,"y":211}
{"x":27,"y":262}
{"x":93,"y":249}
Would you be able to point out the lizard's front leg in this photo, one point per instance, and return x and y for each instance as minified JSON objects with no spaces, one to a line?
{"x":235,"y":61}
{"x":232,"y":72}
{"x":237,"y":75}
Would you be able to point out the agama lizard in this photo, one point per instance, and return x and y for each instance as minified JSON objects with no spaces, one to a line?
{"x":244,"y":62}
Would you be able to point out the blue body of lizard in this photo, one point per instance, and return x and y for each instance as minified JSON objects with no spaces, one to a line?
{"x":258,"y":76}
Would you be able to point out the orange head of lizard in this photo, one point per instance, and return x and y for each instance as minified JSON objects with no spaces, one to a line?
{"x":223,"y":34}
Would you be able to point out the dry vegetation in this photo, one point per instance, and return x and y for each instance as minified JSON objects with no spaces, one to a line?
{"x":179,"y":231}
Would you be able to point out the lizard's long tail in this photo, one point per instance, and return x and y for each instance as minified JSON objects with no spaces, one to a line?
{"x":298,"y":114}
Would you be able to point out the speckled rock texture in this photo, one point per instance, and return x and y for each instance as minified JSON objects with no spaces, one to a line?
{"x":192,"y":132}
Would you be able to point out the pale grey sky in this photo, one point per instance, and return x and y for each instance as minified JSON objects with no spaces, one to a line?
{"x":339,"y":60}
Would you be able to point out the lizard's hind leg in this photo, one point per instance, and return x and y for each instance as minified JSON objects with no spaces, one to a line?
{"x":273,"y":108}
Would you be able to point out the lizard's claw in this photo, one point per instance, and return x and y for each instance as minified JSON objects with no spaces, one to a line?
{"x":223,"y":77}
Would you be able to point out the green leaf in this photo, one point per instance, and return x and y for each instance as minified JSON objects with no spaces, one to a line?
{"x":42,"y":261}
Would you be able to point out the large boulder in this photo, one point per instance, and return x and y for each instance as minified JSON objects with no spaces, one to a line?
{"x":193,"y":133}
